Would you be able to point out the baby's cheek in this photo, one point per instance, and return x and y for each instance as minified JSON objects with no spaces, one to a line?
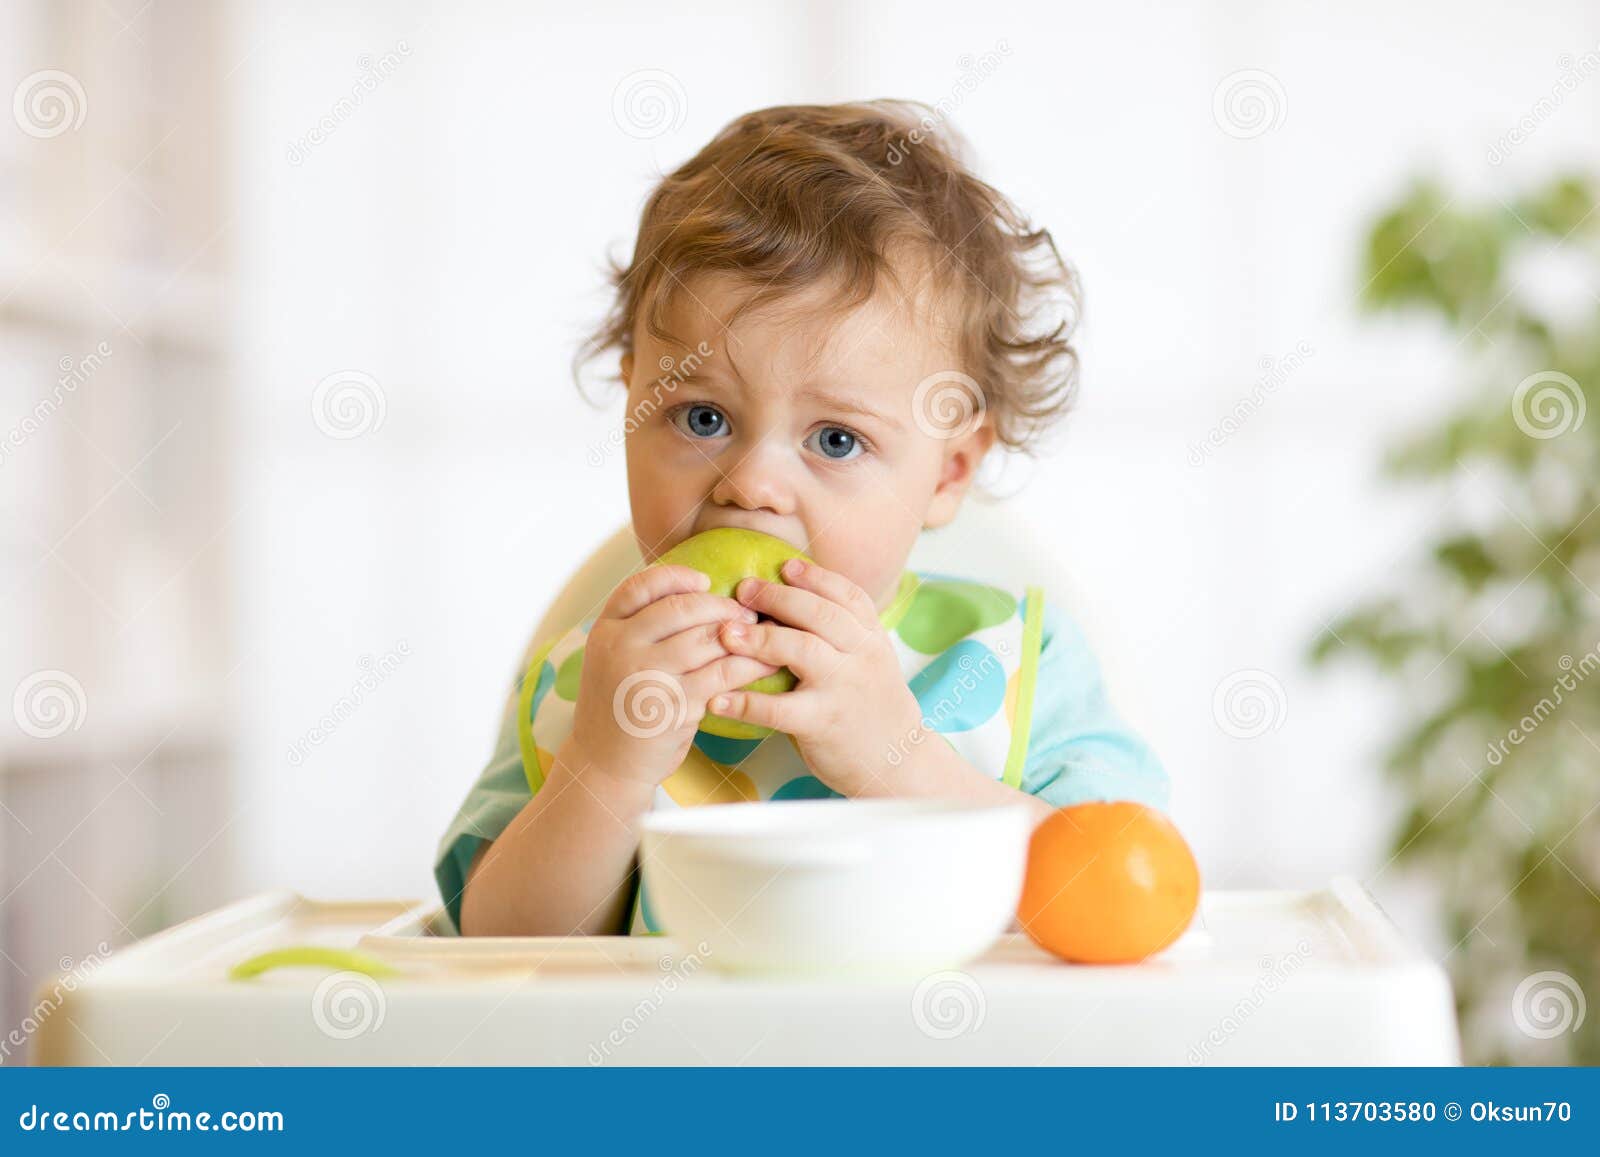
{"x":872,"y":556}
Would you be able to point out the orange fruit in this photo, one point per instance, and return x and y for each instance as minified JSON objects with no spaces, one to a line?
{"x":1108,"y":883}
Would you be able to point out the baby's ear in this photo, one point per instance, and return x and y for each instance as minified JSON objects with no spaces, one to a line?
{"x":962,"y":457}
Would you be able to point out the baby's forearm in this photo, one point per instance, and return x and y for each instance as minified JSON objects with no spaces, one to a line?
{"x":937,"y":771}
{"x":563,"y":865}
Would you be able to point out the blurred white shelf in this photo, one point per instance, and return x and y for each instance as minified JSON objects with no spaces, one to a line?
{"x":182,"y":308}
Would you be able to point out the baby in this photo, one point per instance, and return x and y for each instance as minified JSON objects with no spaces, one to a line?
{"x":850,"y":321}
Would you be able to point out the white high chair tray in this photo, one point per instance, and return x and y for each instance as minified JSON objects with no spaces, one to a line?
{"x":1261,"y":978}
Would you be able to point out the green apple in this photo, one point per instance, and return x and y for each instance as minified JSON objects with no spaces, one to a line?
{"x":727,"y":556}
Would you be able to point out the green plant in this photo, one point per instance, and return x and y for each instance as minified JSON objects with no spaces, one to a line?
{"x":1494,"y":633}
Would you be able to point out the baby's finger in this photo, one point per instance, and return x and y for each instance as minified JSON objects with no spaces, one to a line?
{"x":798,"y":607}
{"x":644,"y":587}
{"x":802,"y":652}
{"x":668,"y":616}
{"x":782,"y":712}
{"x":724,"y":674}
{"x":834,"y":587}
{"x":690,"y":649}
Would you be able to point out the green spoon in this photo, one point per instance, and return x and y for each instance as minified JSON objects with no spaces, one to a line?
{"x":311,"y":956}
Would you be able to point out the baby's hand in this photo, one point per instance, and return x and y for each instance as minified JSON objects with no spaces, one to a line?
{"x":652,"y":660}
{"x":851,"y":703}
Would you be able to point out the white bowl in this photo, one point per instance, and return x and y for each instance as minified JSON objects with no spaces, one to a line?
{"x":890,"y":887}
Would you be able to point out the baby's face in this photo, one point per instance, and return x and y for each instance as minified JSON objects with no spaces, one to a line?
{"x":802,"y":423}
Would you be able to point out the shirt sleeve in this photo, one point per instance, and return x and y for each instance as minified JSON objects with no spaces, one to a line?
{"x":501,"y":791}
{"x":1079,"y":749}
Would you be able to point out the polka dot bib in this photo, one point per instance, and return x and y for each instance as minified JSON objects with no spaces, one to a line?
{"x":969,"y":653}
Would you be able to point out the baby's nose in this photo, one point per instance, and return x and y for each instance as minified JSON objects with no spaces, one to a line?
{"x":757,"y":480}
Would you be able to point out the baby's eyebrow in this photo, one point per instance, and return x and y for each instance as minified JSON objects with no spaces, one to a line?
{"x":849,"y":405}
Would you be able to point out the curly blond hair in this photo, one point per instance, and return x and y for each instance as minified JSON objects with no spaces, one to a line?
{"x":792,"y":195}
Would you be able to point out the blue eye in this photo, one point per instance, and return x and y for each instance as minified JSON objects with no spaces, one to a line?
{"x":836,"y":443}
{"x":700,"y":421}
